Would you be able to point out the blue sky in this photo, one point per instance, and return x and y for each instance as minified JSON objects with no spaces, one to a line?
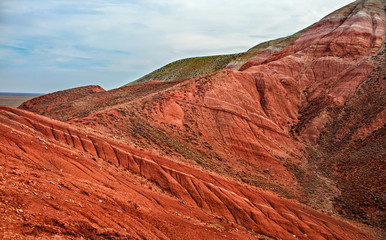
{"x":51,"y":45}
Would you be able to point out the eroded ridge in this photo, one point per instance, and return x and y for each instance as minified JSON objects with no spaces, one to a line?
{"x":254,"y":211}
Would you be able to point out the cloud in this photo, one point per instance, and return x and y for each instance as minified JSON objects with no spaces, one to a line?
{"x":96,"y":41}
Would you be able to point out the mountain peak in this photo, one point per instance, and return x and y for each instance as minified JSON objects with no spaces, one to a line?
{"x":355,"y":14}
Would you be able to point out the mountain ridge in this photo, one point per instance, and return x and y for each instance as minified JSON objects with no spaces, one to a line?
{"x":196,"y":66}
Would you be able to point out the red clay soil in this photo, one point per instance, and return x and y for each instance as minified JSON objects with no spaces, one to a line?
{"x":305,"y":122}
{"x":49,"y":102}
{"x":63,"y":181}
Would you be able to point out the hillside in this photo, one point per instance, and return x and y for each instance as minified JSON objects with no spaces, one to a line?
{"x":196,"y":66}
{"x":63,"y":181}
{"x":287,"y":141}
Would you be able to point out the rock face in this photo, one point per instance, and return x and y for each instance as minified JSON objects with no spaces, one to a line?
{"x":303,"y":118}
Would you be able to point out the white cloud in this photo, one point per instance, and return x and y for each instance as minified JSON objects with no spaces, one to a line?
{"x":127,"y":39}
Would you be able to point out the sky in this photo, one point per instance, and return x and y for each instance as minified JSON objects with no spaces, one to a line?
{"x":52,"y":45}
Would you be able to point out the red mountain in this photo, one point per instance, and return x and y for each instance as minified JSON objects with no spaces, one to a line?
{"x":279,"y":146}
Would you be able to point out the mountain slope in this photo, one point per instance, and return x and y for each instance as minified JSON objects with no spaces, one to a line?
{"x":196,"y":66}
{"x":62,"y":181}
{"x":188,"y":68}
{"x":305,"y":120}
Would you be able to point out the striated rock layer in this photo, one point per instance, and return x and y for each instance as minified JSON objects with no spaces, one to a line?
{"x":59,"y":180}
{"x":304,"y":120}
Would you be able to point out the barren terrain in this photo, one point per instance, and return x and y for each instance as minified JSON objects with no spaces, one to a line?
{"x":284,"y":142}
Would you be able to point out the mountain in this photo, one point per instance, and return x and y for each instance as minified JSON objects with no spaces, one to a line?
{"x":283,"y":141}
{"x":196,"y":66}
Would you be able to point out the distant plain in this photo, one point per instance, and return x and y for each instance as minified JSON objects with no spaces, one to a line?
{"x":15,"y":99}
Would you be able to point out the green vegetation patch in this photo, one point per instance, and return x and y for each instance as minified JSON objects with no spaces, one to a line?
{"x":188,"y":68}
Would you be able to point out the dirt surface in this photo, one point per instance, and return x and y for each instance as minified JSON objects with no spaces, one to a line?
{"x":63,"y":181}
